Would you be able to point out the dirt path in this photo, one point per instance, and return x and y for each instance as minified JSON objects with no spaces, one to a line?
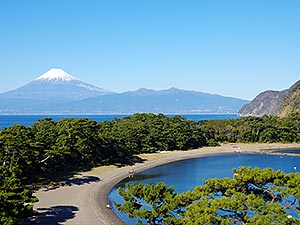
{"x":83,"y":200}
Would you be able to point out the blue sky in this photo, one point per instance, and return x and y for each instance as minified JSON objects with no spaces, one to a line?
{"x":233,"y":47}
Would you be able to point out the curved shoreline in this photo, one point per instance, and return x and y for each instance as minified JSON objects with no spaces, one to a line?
{"x":85,"y":202}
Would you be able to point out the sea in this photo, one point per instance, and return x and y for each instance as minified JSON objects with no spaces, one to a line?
{"x":27,"y":120}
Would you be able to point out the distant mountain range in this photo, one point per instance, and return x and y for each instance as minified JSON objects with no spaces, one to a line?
{"x":280,"y":103}
{"x":57,"y":92}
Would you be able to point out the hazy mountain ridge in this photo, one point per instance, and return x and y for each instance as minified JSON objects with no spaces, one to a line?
{"x":280,"y":103}
{"x":57,"y":92}
{"x":165,"y":101}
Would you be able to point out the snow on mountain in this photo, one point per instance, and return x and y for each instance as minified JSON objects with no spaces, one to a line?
{"x":56,"y":74}
{"x":55,"y":85}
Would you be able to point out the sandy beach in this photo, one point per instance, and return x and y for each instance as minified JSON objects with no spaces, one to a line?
{"x":83,"y":198}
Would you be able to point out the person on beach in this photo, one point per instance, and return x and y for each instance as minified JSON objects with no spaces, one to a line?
{"x":131,"y":173}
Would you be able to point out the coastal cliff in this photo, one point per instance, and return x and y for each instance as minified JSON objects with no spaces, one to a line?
{"x":279,"y":103}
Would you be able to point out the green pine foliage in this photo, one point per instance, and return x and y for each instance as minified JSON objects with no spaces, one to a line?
{"x":15,"y":200}
{"x":252,"y":196}
{"x":157,"y":204}
{"x":47,"y":146}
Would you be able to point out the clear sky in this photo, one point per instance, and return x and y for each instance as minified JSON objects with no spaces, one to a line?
{"x":234,"y":48}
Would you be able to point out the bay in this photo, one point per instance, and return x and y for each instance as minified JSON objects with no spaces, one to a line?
{"x":27,"y":120}
{"x":186,"y":174}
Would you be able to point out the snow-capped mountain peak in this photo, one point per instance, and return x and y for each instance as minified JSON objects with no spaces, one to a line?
{"x":56,"y":74}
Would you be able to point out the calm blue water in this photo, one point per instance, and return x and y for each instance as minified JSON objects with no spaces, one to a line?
{"x":27,"y":120}
{"x":186,"y":174}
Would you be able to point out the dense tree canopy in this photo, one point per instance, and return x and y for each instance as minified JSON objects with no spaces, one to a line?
{"x":14,"y":198}
{"x":266,"y":129}
{"x":252,"y":196}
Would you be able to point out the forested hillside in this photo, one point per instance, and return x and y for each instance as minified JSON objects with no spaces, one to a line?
{"x":291,"y":101}
{"x":30,"y":155}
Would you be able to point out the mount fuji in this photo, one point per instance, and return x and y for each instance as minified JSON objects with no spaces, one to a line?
{"x":52,"y":88}
{"x":56,"y":85}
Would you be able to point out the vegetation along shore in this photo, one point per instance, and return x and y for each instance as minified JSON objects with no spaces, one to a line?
{"x":35,"y":155}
